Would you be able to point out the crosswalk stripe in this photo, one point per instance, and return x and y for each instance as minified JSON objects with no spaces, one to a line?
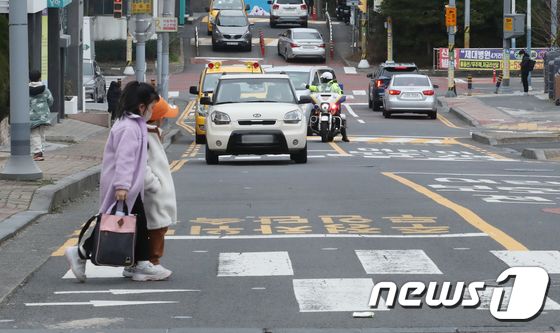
{"x":397,"y":262}
{"x":207,"y":41}
{"x":350,"y":70}
{"x":549,"y":260}
{"x":255,"y":264}
{"x":486,"y":296}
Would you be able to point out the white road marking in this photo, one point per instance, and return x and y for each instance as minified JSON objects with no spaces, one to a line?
{"x":475,"y":174}
{"x":244,"y":237}
{"x":349,"y":96}
{"x":173,"y":94}
{"x":350,"y":70}
{"x":357,"y":104}
{"x":349,"y":108}
{"x":97,"y":303}
{"x":334,"y":295}
{"x":200,"y":251}
{"x":365,"y":314}
{"x":6,"y":320}
{"x":258,"y":288}
{"x":361,"y":121}
{"x":124,"y":291}
{"x":486,"y":296}
{"x":329,"y":249}
{"x":255,"y":264}
{"x":316,"y":156}
{"x":549,"y":260}
{"x":182,"y":317}
{"x":397,"y":262}
{"x":227,"y":58}
{"x":359,"y":92}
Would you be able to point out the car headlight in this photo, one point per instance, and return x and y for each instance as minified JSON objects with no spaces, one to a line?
{"x":293,"y":117}
{"x":325,"y":107}
{"x":220,"y":118}
{"x":247,"y":33}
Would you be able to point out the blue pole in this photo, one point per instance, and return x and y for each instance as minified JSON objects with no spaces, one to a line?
{"x":182,"y":12}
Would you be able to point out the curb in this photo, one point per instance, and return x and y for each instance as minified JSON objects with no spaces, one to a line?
{"x":490,"y":139}
{"x":47,"y":198}
{"x":541,"y":154}
{"x":464,"y":116}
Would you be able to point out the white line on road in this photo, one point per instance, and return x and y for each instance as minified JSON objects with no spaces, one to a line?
{"x":361,"y":121}
{"x":475,"y":174}
{"x":356,"y":104}
{"x":349,"y":108}
{"x":359,"y":92}
{"x":124,"y":291}
{"x":474,"y":234}
{"x":102,"y":303}
{"x":6,"y":320}
{"x":350,"y":70}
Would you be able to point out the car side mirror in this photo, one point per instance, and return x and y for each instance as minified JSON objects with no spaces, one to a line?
{"x":305,"y":99}
{"x":370,"y":75}
{"x":206,"y":100}
{"x":193,"y":90}
{"x":436,"y":86}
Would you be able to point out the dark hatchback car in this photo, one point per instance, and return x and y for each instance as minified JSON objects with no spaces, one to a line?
{"x":232,"y":29}
{"x":380,"y":79}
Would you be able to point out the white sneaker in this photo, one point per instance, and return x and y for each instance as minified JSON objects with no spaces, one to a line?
{"x":146,"y":271}
{"x":129,"y":271}
{"x":77,"y":264}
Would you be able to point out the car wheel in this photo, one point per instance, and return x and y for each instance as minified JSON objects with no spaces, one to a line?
{"x":304,"y":24}
{"x":211,"y":157}
{"x":300,"y":157}
{"x":278,"y":50}
{"x":432,"y":115}
{"x":272,"y":24}
{"x":370,"y":103}
{"x":386,"y":114}
{"x":249,"y":48}
{"x":309,"y":131}
{"x":376,"y":106}
{"x":200,"y":139}
{"x":209,"y":32}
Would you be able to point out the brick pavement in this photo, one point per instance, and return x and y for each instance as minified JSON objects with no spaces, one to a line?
{"x":16,"y":196}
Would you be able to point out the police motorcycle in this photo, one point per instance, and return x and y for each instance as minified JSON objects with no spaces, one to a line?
{"x":326,"y":119}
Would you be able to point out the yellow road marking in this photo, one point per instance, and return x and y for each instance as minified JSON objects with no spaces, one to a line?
{"x":181,"y":121}
{"x":170,"y":232}
{"x":173,"y":164}
{"x":483,"y":151}
{"x":179,"y":165}
{"x":339,"y":150}
{"x":68,"y":243}
{"x":446,"y":121}
{"x":508,"y":242}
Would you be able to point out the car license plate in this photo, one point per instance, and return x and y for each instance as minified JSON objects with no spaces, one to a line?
{"x":309,"y":47}
{"x":412,"y":96}
{"x":231,"y":43}
{"x":257,"y":139}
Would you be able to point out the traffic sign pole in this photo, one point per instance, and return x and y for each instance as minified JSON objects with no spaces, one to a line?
{"x":451,"y":23}
{"x":507,"y":26}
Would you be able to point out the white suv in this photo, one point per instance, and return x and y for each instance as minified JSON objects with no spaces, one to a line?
{"x":288,"y":11}
{"x":255,"y":114}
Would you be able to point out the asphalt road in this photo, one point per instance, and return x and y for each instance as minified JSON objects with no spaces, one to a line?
{"x":263,"y":243}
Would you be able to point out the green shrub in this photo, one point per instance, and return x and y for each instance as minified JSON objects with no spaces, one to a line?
{"x":4,"y":68}
{"x":114,"y":51}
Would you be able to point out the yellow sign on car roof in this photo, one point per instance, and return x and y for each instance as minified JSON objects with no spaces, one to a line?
{"x":247,"y":67}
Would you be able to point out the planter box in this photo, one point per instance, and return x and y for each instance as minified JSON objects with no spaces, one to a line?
{"x":71,"y":106}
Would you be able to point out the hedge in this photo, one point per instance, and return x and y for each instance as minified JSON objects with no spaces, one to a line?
{"x":114,"y":51}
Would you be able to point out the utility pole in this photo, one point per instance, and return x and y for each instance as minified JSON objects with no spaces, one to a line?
{"x":451,"y":23}
{"x":554,"y":21}
{"x":467,"y":24}
{"x":143,"y":22}
{"x":529,"y":36}
{"x":513,"y":41}
{"x":164,"y":87}
{"x":389,"y":25}
{"x":507,"y":46}
{"x":20,"y":165}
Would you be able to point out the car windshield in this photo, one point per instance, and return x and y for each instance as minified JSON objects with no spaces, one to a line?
{"x":88,"y":69}
{"x":418,"y":81}
{"x":210,"y":82}
{"x":390,"y":71}
{"x":289,"y":2}
{"x":299,"y":79}
{"x":254,"y":91}
{"x":228,"y":4}
{"x":233,"y":21}
{"x":306,"y":35}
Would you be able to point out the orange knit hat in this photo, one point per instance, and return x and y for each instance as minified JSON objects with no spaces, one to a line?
{"x":162,"y":109}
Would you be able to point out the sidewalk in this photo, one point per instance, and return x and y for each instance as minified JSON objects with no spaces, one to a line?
{"x":506,"y":119}
{"x":72,"y":166}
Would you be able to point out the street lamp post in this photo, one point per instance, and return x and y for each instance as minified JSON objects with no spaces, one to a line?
{"x":20,"y":165}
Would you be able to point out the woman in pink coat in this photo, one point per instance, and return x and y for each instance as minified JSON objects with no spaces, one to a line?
{"x":122,"y":177}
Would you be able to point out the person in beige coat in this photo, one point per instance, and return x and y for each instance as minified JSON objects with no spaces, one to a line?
{"x":160,"y":202}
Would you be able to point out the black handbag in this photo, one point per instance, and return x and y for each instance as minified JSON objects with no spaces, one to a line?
{"x":114,"y":238}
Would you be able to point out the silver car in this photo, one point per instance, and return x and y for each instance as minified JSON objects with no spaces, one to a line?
{"x":232,"y":29}
{"x":410,"y":93}
{"x":299,"y":43}
{"x":94,"y":82}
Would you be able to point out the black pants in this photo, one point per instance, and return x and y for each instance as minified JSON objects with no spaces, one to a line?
{"x":142,"y":249}
{"x":525,"y":81}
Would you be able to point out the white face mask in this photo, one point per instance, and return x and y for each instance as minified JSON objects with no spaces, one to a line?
{"x":148,"y":115}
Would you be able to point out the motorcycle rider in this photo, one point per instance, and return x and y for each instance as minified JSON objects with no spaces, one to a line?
{"x":329,"y":84}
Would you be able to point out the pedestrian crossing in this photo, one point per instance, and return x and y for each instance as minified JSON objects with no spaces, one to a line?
{"x":347,"y":294}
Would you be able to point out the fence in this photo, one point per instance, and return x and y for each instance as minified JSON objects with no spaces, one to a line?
{"x":484,"y":59}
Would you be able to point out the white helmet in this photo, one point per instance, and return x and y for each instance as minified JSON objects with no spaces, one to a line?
{"x":326,"y":76}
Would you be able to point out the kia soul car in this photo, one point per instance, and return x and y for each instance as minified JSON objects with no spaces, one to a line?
{"x":255,"y":114}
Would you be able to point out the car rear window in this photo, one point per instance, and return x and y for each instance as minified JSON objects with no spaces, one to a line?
{"x":390,"y":71}
{"x":411,"y":81}
{"x":228,"y":4}
{"x":306,"y":35}
{"x":289,"y":2}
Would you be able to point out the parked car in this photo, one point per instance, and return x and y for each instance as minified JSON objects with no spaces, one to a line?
{"x":232,"y":29}
{"x":381,"y":77}
{"x":410,"y":93}
{"x":255,"y":114}
{"x":217,"y":5}
{"x":299,"y":43}
{"x":288,"y":11}
{"x":94,"y":82}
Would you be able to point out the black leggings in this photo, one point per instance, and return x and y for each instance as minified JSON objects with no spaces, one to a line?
{"x":142,"y":249}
